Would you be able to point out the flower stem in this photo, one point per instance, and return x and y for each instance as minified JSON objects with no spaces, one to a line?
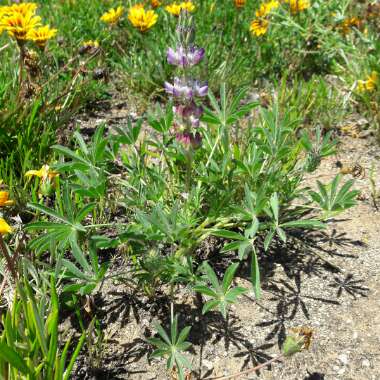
{"x":189,"y":162}
{"x":21,"y":68}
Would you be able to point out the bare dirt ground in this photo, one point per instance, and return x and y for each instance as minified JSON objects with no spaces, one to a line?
{"x":300,"y":288}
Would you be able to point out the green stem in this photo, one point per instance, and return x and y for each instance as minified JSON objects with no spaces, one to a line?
{"x":189,"y":161}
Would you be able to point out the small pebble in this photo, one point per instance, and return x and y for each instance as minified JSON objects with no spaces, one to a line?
{"x":343,"y":358}
{"x":366,"y":363}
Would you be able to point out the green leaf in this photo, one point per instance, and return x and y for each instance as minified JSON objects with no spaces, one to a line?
{"x":255,"y":275}
{"x":211,"y":275}
{"x":281,"y":234}
{"x":162,"y":333}
{"x":53,"y":329}
{"x":48,"y":211}
{"x":37,"y":321}
{"x":204,"y":290}
{"x":79,"y":255}
{"x":228,"y":234}
{"x":274,"y":206}
{"x":183,"y":334}
{"x":75,"y":271}
{"x":11,"y":356}
{"x":174,"y":329}
{"x":158,"y":343}
{"x":243,"y":249}
{"x":229,"y":276}
{"x":268,"y":239}
{"x":304,"y":223}
{"x":67,"y":374}
{"x":209,"y":306}
{"x":69,"y":153}
{"x":231,"y":246}
{"x":234,"y":293}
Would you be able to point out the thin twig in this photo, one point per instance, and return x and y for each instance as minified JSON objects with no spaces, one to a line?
{"x":8,"y":259}
{"x":247,"y":371}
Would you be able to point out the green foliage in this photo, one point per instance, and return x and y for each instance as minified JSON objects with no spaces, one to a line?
{"x":172,"y":347}
{"x":333,"y":200}
{"x":138,"y":190}
{"x":29,"y":342}
{"x":221,"y":295}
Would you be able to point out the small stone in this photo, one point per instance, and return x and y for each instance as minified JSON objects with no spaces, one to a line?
{"x":366,"y":363}
{"x":343,"y":358}
{"x":207,"y":365}
{"x":341,"y":371}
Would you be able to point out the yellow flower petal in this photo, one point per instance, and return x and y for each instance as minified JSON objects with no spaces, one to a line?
{"x":113,"y":15}
{"x":4,"y":199}
{"x":44,"y":173}
{"x":5,"y":228}
{"x":142,"y":19}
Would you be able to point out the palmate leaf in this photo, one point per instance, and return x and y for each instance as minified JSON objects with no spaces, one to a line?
{"x":171,"y":347}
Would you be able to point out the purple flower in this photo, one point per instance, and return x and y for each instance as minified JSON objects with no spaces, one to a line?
{"x":200,"y":89}
{"x":186,"y":90}
{"x":188,"y":110}
{"x":188,"y":138}
{"x":179,"y":89}
{"x":177,"y":57}
{"x":182,"y":58}
{"x":195,"y":55}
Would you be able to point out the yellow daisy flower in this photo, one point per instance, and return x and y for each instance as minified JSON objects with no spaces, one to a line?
{"x":142,"y":19}
{"x":113,"y":16}
{"x":45,"y":173}
{"x":41,"y":35}
{"x":239,"y":3}
{"x":297,"y":6}
{"x":349,"y":23}
{"x":187,"y":6}
{"x":18,"y":25}
{"x":266,"y":8}
{"x":22,"y":9}
{"x":369,"y":84}
{"x":91,"y":44}
{"x":175,"y":8}
{"x":259,"y":27}
{"x":155,"y":3}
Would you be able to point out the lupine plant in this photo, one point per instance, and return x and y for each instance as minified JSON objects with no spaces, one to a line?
{"x":219,"y":157}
